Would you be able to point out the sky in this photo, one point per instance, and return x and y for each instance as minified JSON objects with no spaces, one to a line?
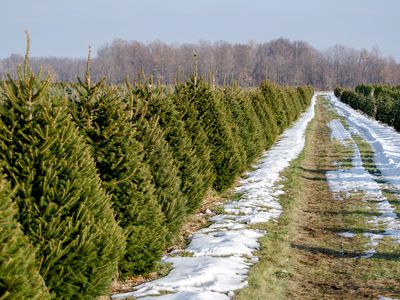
{"x":66,"y":28}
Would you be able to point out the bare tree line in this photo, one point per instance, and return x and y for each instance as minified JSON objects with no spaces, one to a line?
{"x":282,"y":61}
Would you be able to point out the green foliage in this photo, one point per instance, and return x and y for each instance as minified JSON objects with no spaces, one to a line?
{"x":270,"y":114}
{"x":62,"y":208}
{"x":233,"y":112}
{"x":381,"y":102}
{"x":183,"y":98}
{"x":19,"y":277}
{"x":165,"y":173}
{"x":364,"y":89}
{"x":159,"y":102}
{"x":338,"y":92}
{"x":163,"y":166}
{"x":250,"y":133}
{"x":102,"y":116}
{"x":212,"y":114}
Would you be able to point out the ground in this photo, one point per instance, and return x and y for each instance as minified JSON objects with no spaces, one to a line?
{"x":306,"y":255}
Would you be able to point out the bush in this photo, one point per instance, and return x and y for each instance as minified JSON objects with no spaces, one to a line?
{"x":365,"y":90}
{"x":338,"y":92}
{"x":381,"y":102}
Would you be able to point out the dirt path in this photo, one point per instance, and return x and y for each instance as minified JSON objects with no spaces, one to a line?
{"x":329,"y":243}
{"x":317,"y":249}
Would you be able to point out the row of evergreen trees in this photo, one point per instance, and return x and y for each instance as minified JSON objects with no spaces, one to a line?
{"x":381,"y":102}
{"x":96,"y":180}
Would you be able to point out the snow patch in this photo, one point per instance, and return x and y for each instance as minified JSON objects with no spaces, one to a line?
{"x":224,"y":243}
{"x":339,"y":133}
{"x":386,"y":298}
{"x":347,"y":234}
{"x":186,"y":295}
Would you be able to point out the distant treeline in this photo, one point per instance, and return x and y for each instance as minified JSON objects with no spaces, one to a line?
{"x":381,"y":102}
{"x":280,"y":61}
{"x":97,"y":179}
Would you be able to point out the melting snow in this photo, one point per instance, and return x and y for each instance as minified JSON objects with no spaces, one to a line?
{"x":222,"y":253}
{"x":385,"y":142}
{"x":347,"y":234}
{"x":338,"y":132}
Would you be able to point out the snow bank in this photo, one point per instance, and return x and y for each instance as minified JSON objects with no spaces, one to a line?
{"x":223,"y":253}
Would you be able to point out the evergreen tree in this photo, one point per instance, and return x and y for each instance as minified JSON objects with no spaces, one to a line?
{"x":183,"y":99}
{"x":163,"y":166}
{"x":62,"y":208}
{"x":165,"y":172}
{"x":19,"y":277}
{"x":209,"y":115}
{"x":159,"y":102}
{"x":267,"y":117}
{"x":227,"y":108}
{"x":274,"y":107}
{"x":246,"y":121}
{"x":103,"y":117}
{"x":305,"y":93}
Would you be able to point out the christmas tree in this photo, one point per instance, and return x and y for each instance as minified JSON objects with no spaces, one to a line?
{"x":19,"y":277}
{"x":62,"y":207}
{"x":246,"y":121}
{"x":159,"y":102}
{"x":103,"y":117}
{"x":165,"y":173}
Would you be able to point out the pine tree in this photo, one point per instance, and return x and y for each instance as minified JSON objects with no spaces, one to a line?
{"x":274,"y":106}
{"x":62,"y":208}
{"x":159,"y":102}
{"x":183,"y":98}
{"x":295,"y":103}
{"x":305,"y":93}
{"x":19,"y":277}
{"x":246,"y":121}
{"x":209,"y":115}
{"x":104,"y":119}
{"x":227,"y":108}
{"x":163,"y":166}
{"x":266,"y":116}
{"x":165,"y":173}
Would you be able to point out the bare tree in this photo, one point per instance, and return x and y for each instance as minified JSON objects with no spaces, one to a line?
{"x":281,"y":60}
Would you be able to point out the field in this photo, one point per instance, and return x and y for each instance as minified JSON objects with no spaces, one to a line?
{"x":103,"y":188}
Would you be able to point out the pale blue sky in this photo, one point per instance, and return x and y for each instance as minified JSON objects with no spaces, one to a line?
{"x":66,"y":28}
